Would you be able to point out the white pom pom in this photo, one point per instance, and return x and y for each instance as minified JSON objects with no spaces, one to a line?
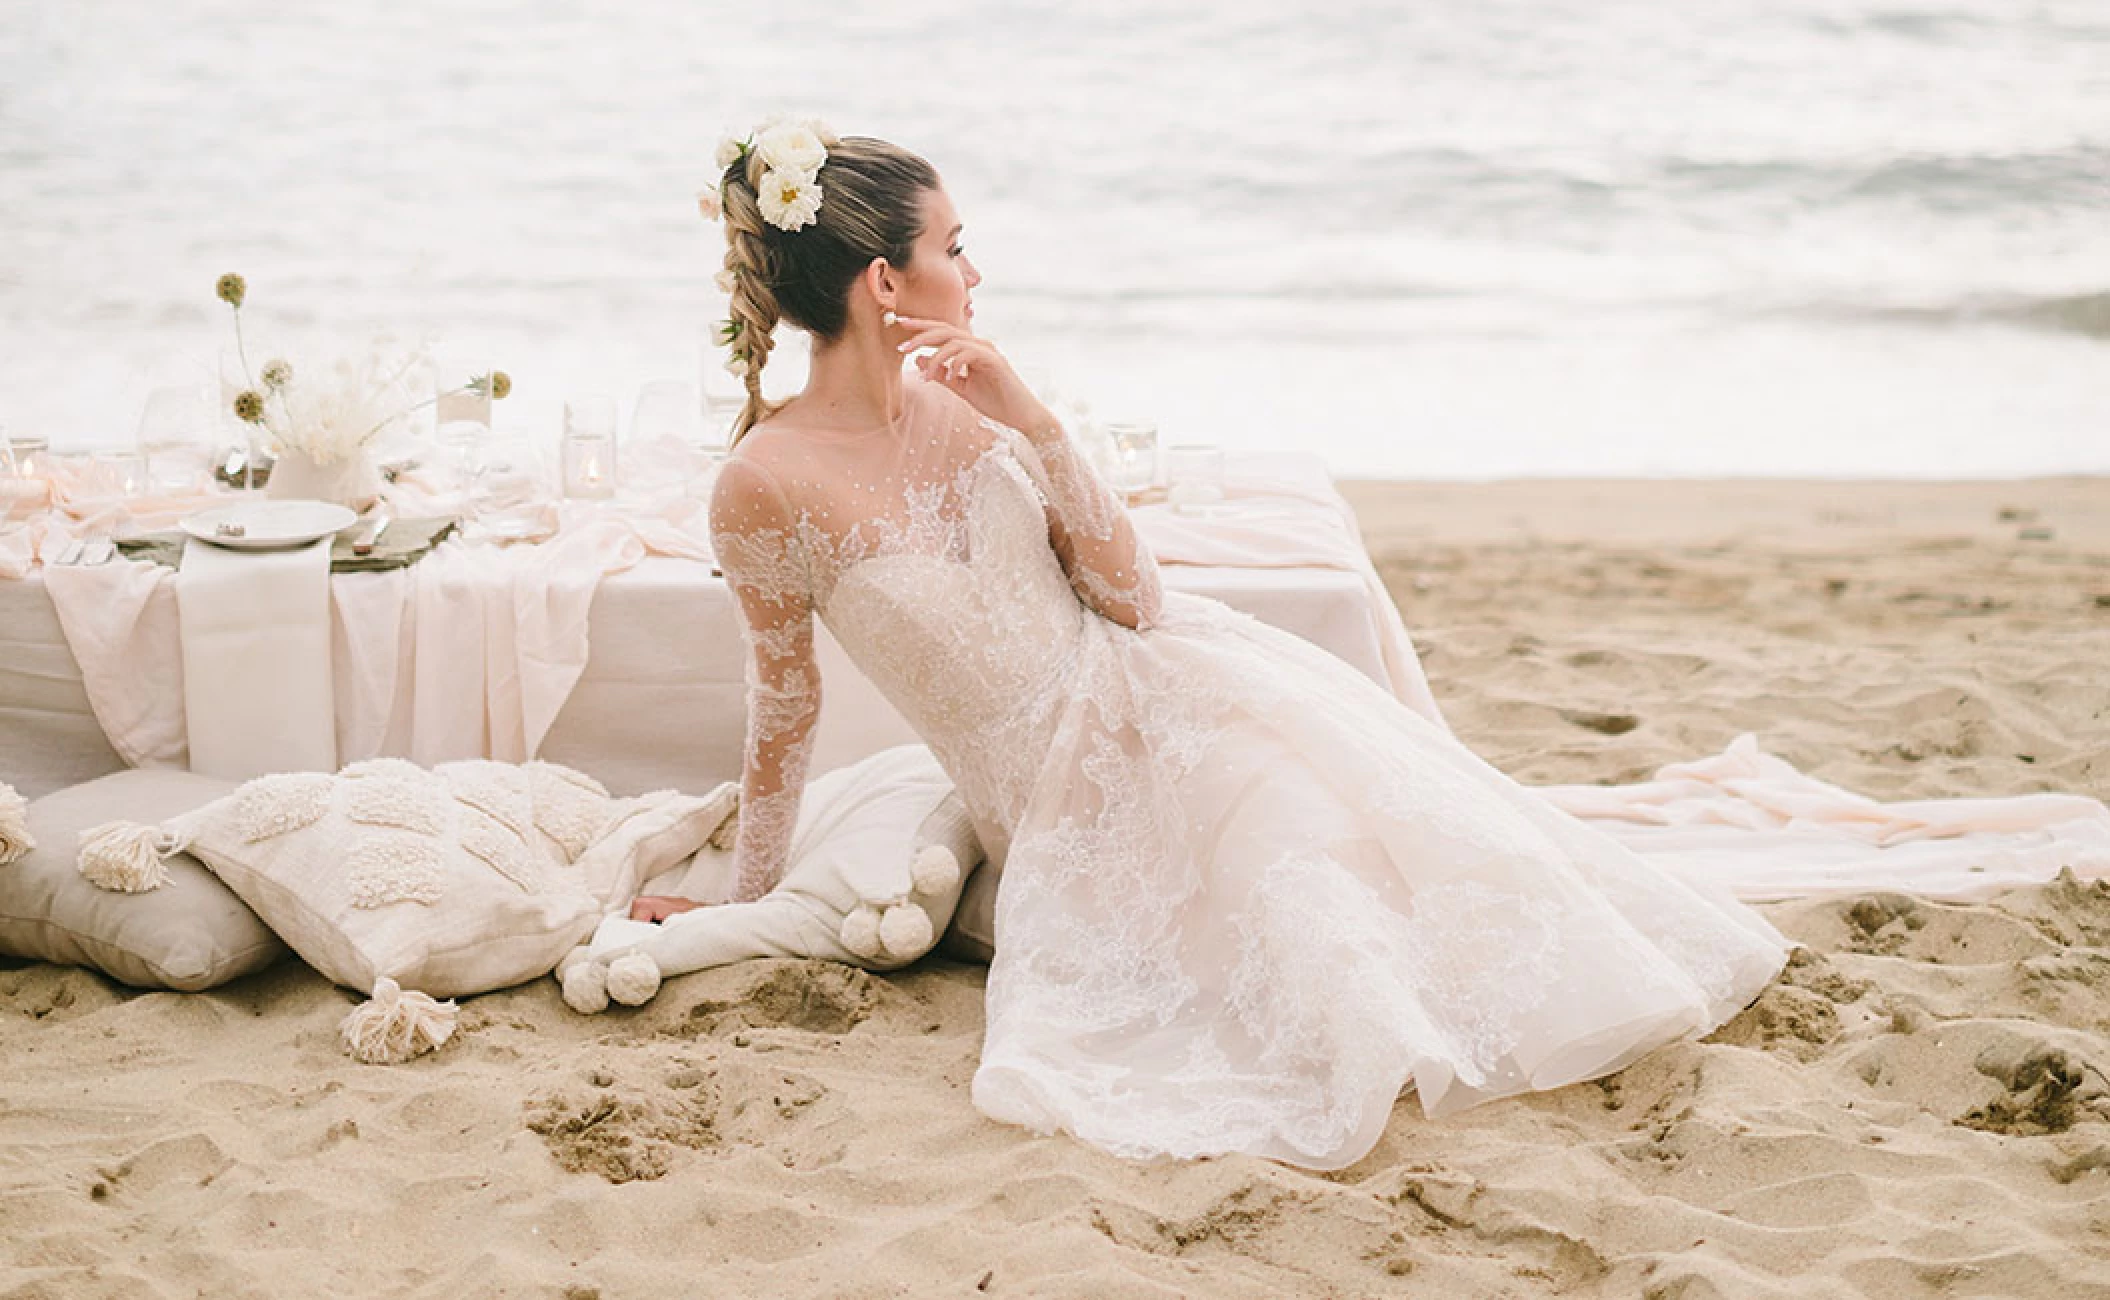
{"x":905,"y":933}
{"x":15,"y":839}
{"x":396,"y":1025}
{"x":586,"y":987}
{"x":125,"y":857}
{"x":935,"y":871}
{"x":860,"y":932}
{"x":633,"y":978}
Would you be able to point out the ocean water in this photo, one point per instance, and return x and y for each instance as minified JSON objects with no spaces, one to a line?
{"x":1446,"y":239}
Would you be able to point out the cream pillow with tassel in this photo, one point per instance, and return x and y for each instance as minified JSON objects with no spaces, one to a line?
{"x":416,"y":886}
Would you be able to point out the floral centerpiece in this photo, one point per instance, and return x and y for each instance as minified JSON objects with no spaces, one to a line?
{"x":323,"y":425}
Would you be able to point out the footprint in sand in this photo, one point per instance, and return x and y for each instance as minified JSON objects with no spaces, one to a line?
{"x":623,"y":1135}
{"x":2047,"y":1087}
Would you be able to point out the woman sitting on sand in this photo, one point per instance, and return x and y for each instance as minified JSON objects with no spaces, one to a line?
{"x":1248,"y":896}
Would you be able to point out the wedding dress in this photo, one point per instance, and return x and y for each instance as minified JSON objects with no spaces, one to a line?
{"x":1248,"y":896}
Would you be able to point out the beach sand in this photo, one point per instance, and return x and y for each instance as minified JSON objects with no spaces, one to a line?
{"x":1917,"y":1108}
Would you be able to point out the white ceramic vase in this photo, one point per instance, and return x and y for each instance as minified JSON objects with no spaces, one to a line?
{"x":354,"y":481}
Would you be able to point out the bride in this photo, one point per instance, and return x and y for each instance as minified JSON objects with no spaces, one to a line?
{"x":1248,"y":896}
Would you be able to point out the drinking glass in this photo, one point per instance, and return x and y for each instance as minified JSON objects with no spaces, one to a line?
{"x":667,"y":408}
{"x":724,"y":397}
{"x":505,"y":486}
{"x":589,"y":461}
{"x":1194,"y":477}
{"x":175,"y":438}
{"x":1135,"y":456}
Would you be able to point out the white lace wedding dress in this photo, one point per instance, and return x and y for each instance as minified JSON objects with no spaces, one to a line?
{"x":1248,"y":896}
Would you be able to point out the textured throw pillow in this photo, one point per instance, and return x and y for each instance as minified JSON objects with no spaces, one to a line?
{"x":192,"y":933}
{"x":877,"y":863}
{"x":417,"y":885}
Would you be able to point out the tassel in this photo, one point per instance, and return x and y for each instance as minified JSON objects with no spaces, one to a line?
{"x":633,"y":978}
{"x":126,"y":857}
{"x":935,"y":871}
{"x":396,"y":1025}
{"x":905,"y":932}
{"x":15,"y":839}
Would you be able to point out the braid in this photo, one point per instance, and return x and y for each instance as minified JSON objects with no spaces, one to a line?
{"x":753,"y":305}
{"x":871,"y":209}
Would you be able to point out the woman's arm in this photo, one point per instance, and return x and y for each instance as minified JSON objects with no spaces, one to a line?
{"x":1107,"y":563}
{"x":752,"y":533}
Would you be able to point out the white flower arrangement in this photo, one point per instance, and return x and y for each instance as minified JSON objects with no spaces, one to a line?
{"x":331,"y":419}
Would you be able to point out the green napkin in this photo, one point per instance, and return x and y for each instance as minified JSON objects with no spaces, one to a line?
{"x":405,"y":542}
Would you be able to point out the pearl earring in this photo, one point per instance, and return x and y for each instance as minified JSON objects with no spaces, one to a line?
{"x":889,"y":317}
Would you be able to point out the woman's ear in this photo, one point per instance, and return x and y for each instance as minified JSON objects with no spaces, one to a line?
{"x":881,"y":282}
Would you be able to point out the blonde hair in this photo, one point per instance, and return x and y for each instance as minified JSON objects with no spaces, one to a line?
{"x":871,"y":206}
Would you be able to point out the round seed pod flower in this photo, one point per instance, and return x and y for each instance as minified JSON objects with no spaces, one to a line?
{"x":277,"y":374}
{"x":249,"y":405}
{"x":231,"y":289}
{"x":501,"y":384}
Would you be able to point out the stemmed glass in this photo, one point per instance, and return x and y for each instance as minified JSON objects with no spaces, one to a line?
{"x":174,"y":436}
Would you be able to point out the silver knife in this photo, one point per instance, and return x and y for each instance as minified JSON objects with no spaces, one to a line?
{"x":364,"y":543}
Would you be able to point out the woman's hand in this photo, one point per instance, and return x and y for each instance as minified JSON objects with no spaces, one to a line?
{"x":657,"y":907}
{"x":973,"y":368}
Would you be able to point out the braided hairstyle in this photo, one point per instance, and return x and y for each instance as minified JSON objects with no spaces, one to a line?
{"x":871,"y":206}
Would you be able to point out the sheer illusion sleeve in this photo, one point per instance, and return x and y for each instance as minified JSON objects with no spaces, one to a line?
{"x":757,"y":546}
{"x":1107,"y":562}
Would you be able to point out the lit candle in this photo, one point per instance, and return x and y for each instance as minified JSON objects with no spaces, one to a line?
{"x":28,"y":489}
{"x":589,"y":461}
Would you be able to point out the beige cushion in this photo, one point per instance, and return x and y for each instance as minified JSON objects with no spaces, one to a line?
{"x":470,"y":877}
{"x":860,"y":830}
{"x":192,"y":933}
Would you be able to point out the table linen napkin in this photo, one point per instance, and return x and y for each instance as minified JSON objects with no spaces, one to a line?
{"x":255,"y":634}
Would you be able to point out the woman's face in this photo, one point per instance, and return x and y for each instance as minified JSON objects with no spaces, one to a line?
{"x":938,"y":281}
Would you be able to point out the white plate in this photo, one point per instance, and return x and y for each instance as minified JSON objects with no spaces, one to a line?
{"x":269,"y":525}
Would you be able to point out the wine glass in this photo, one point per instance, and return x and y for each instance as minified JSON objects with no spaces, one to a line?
{"x":505,"y":486}
{"x":174,"y":438}
{"x":667,"y":408}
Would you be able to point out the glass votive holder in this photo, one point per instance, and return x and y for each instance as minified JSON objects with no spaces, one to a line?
{"x":25,"y":476}
{"x":118,"y":473}
{"x":1133,"y":453}
{"x":589,"y":448}
{"x":1194,"y":477}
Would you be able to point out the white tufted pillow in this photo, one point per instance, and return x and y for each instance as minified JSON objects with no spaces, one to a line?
{"x":416,"y":885}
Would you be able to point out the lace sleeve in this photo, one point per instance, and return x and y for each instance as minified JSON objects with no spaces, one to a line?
{"x":1108,"y":564}
{"x":757,"y":546}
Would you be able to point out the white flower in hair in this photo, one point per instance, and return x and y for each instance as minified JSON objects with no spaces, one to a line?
{"x":726,"y":280}
{"x":789,"y":200}
{"x":792,"y":148}
{"x":707,"y":202}
{"x":737,"y":366}
{"x":729,"y":151}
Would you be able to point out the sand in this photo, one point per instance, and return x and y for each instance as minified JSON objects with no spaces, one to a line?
{"x":1917,"y":1108}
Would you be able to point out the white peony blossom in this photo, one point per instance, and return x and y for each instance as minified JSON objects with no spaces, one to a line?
{"x":728,"y":152}
{"x":789,"y":200}
{"x":707,"y":202}
{"x":726,"y":281}
{"x":792,"y":148}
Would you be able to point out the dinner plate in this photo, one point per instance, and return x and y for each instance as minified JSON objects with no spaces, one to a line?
{"x":268,"y":525}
